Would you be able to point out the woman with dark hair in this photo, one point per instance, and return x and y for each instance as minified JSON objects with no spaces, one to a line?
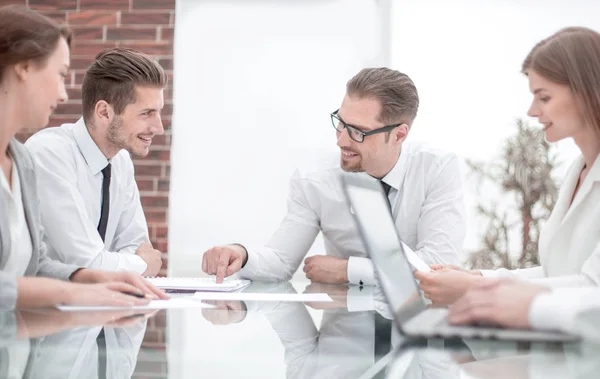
{"x":564,"y":78}
{"x":34,"y":61}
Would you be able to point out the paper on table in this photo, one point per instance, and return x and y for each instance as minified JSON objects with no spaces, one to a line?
{"x":155,"y":304}
{"x":414,"y":259}
{"x":245,"y":296}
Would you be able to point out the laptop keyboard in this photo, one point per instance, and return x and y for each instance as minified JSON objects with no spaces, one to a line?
{"x":435,"y":322}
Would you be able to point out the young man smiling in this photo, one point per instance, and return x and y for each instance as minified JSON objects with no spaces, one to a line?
{"x":90,"y":203}
{"x":424,"y":191}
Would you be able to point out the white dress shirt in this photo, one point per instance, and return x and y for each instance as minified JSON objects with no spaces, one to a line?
{"x":569,"y":243}
{"x":427,"y":207}
{"x":69,"y":167}
{"x":21,"y":246}
{"x":571,"y":310}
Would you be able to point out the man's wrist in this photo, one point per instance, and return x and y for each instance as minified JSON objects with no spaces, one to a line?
{"x":78,"y":276}
{"x":62,"y":292}
{"x":244,"y":251}
{"x":345,"y":271}
{"x":86,"y":275}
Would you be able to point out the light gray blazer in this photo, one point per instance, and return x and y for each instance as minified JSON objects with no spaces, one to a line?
{"x":40,"y":264}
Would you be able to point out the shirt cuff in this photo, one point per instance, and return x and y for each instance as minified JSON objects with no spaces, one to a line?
{"x":553,"y":311}
{"x":360,"y":298}
{"x":499,"y":273}
{"x":360,"y":271}
{"x":135,"y":263}
{"x":250,"y":268}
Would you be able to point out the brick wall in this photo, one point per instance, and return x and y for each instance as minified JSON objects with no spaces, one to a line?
{"x":146,"y":25}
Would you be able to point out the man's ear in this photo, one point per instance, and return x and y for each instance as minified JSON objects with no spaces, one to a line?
{"x":103,"y":111}
{"x":400,"y":133}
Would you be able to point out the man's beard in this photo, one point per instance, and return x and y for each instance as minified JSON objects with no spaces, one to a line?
{"x":113,"y":134}
{"x":351,"y":166}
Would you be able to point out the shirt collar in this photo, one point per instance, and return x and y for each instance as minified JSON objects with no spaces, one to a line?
{"x":92,"y":154}
{"x":395,"y":178}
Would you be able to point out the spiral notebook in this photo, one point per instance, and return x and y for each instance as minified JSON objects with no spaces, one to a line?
{"x":199,"y":284}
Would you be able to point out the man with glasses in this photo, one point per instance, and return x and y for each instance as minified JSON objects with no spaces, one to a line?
{"x":424,"y":190}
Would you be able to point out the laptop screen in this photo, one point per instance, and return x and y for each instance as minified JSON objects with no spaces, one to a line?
{"x":378,"y":231}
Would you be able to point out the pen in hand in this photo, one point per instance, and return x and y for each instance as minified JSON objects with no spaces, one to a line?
{"x":138,"y":295}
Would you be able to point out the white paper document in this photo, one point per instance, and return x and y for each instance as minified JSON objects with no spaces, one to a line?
{"x":245,"y":296}
{"x":200,"y":284}
{"x":414,"y":259}
{"x":154,"y":304}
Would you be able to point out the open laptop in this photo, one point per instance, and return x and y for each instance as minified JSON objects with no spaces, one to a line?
{"x":395,"y":274}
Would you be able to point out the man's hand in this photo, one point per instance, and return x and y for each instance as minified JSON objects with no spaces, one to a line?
{"x":102,"y":294}
{"x":152,"y":257}
{"x":326,"y":269}
{"x":225,"y":312}
{"x":337,"y":292}
{"x":446,"y":285}
{"x":224,"y":261}
{"x":135,"y":281}
{"x":439,"y":267}
{"x":503,"y":302}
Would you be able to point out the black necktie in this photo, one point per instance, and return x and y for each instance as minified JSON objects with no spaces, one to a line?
{"x":386,"y":190}
{"x":101,"y":340}
{"x":105,"y":201}
{"x":102,"y":354}
{"x":383,"y":326}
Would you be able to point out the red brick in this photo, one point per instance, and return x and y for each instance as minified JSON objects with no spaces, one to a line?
{"x":155,"y":216}
{"x":68,"y":109}
{"x":53,"y":5}
{"x":161,"y":155}
{"x":151,"y":48}
{"x":161,"y":232}
{"x":74,"y":93}
{"x":154,"y":4}
{"x":168,"y":93}
{"x":152,"y":367}
{"x":154,"y":336}
{"x":59,"y":120}
{"x":79,"y":78}
{"x":146,"y":185}
{"x":163,"y":185}
{"x":147,"y":169}
{"x":161,"y":245}
{"x":144,"y":18}
{"x":57,"y":16}
{"x":166,"y":172}
{"x":160,"y":320}
{"x":154,"y":345}
{"x":80,"y":63}
{"x":12,"y":2}
{"x":92,"y":18}
{"x":89,"y":49}
{"x":167,"y":109}
{"x":161,"y":273}
{"x":155,"y":201}
{"x":166,"y":34}
{"x":161,"y":140}
{"x":166,"y":63}
{"x":87,"y":33}
{"x":119,"y":5}
{"x":166,"y":121}
{"x":130,"y":33}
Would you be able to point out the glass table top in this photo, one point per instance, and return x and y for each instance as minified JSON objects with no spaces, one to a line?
{"x":264,"y":339}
